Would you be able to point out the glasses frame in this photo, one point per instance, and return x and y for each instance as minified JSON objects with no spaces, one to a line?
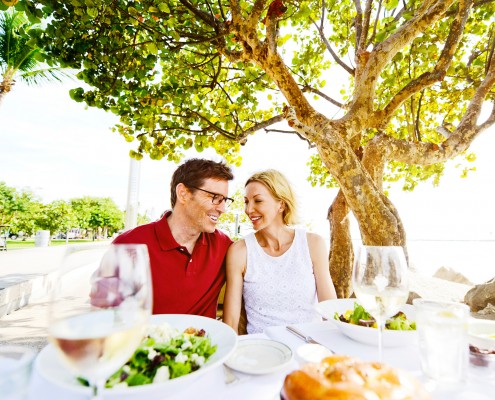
{"x":217,"y":198}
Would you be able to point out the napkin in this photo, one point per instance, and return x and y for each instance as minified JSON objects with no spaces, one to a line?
{"x":326,"y":333}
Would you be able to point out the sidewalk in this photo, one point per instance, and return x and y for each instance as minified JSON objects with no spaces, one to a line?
{"x":26,"y":275}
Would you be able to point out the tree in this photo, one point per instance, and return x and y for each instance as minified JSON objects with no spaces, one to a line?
{"x":183,"y":73}
{"x":19,"y":57}
{"x":106,"y":215}
{"x":18,"y":209}
{"x":98,"y":213}
{"x":57,"y":216}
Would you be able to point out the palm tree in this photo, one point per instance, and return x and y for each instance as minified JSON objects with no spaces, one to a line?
{"x":18,"y":58}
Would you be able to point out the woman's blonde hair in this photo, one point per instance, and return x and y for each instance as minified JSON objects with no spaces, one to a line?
{"x":281,"y":190}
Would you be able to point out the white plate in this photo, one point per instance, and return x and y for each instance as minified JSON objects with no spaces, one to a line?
{"x":481,"y":333}
{"x":364,"y":334}
{"x":259,"y":356}
{"x":50,"y":368}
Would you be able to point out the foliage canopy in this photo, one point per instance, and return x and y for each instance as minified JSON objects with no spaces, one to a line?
{"x":184,"y":73}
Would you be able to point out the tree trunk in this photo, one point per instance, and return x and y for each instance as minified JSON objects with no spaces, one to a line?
{"x":6,"y":84}
{"x":341,"y":251}
{"x":380,"y":216}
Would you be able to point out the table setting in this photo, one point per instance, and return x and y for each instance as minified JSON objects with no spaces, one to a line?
{"x":178,"y":356}
{"x":212,"y":383}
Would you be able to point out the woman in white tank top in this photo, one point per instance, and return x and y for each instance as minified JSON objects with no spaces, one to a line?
{"x":278,"y":272}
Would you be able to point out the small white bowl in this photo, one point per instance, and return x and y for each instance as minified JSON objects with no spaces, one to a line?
{"x":311,"y":353}
{"x":482,"y":334}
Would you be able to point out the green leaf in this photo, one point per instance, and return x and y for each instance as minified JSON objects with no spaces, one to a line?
{"x":92,"y":12}
{"x":391,"y":4}
{"x":164,"y":8}
{"x":77,"y":94}
{"x":152,"y":48}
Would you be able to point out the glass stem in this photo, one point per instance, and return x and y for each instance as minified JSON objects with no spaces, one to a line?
{"x":97,"y":389}
{"x":381,"y":327}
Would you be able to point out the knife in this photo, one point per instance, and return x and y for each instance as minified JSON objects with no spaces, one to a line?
{"x":307,"y":339}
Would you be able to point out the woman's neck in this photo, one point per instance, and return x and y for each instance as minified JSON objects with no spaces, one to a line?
{"x":275,"y":240}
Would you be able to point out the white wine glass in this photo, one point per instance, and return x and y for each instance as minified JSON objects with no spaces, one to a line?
{"x":98,"y":309}
{"x":380,"y":283}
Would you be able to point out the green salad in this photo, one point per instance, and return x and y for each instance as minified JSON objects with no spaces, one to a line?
{"x":165,"y":353}
{"x":359,"y":316}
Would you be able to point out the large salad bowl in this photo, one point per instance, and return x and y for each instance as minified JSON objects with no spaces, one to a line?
{"x":363,"y":334}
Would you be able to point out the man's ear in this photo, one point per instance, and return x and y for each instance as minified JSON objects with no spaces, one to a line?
{"x":182,"y":193}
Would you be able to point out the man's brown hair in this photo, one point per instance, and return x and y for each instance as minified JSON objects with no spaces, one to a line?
{"x":195,"y":171}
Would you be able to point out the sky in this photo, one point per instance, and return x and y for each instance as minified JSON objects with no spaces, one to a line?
{"x":61,"y":149}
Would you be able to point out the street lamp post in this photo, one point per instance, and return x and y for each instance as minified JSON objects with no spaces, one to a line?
{"x":131,"y":210}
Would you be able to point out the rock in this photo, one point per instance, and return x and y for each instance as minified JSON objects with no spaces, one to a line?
{"x":487,"y":313}
{"x":428,"y":287}
{"x":451,"y":275}
{"x":412,"y":296}
{"x":480,"y":296}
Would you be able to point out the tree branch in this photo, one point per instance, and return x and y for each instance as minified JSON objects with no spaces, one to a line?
{"x":473,"y":110}
{"x":200,"y":14}
{"x":310,"y":89}
{"x":334,"y":55}
{"x":458,"y":142}
{"x":438,"y":72}
{"x":490,"y":120}
{"x":373,"y":34}
{"x":381,"y":55}
{"x":242,"y":138}
{"x":358,"y":22}
{"x":256,"y":12}
{"x":307,"y":132}
{"x":366,"y":25}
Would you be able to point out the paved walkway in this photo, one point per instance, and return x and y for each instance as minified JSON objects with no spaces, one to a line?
{"x":26,"y":275}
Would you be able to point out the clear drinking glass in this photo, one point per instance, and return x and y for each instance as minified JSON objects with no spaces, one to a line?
{"x":380,"y":283}
{"x":15,"y":371}
{"x":443,"y":345}
{"x":98,"y":309}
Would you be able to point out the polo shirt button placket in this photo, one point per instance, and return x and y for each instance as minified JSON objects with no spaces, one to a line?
{"x":189,"y":269}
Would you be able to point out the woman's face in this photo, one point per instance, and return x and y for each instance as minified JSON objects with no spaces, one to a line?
{"x":261,"y":207}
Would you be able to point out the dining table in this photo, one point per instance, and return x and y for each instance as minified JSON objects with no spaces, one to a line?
{"x":213,"y":384}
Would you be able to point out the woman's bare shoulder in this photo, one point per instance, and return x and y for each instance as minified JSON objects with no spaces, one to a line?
{"x":315,"y":239}
{"x":238,"y":247}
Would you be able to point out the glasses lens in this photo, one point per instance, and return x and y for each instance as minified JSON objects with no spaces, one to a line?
{"x":217,"y":199}
{"x":228,"y":201}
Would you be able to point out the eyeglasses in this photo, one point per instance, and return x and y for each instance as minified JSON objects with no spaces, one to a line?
{"x":217,"y":198}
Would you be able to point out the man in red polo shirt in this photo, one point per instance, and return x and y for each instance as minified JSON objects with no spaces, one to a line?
{"x":186,"y":250}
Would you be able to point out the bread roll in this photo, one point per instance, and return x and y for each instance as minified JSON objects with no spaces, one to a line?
{"x":341,"y":377}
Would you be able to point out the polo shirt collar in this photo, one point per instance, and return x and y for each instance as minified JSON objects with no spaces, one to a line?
{"x":165,"y":238}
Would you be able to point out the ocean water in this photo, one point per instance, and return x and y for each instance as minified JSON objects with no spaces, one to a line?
{"x":475,"y":259}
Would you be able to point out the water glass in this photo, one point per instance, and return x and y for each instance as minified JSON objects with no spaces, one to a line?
{"x":442,"y":332}
{"x":15,"y":371}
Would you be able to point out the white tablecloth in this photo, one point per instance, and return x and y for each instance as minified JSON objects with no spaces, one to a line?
{"x":267,"y":387}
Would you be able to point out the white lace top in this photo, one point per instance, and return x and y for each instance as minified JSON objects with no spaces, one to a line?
{"x":279,"y":290}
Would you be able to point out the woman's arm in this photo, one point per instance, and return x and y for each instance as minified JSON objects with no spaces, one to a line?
{"x":319,"y":256}
{"x":236,"y":266}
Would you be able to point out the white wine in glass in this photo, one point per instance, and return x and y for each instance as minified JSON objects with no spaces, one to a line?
{"x":380,"y":283}
{"x":98,"y":309}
